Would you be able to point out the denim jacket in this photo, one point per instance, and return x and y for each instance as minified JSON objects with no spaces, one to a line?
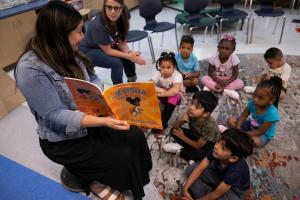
{"x":50,"y":100}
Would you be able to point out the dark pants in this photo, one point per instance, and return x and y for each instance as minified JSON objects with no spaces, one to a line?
{"x":208,"y":181}
{"x":100,"y":59}
{"x":167,"y":113}
{"x":190,"y":153}
{"x":120,"y":159}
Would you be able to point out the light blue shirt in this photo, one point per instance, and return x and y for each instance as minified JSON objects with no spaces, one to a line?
{"x":189,"y":66}
{"x":50,"y":100}
{"x":270,"y":115}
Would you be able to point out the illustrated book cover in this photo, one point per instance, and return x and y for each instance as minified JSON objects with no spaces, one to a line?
{"x":134,"y":102}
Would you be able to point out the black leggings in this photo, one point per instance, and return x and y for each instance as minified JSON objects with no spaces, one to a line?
{"x":167,"y":113}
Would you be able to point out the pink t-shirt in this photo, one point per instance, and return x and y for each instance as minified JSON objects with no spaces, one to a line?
{"x":224,"y":69}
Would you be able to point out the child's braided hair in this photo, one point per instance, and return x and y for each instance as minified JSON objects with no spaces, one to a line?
{"x":275,"y":86}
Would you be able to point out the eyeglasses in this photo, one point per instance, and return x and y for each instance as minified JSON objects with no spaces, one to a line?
{"x":115,"y":8}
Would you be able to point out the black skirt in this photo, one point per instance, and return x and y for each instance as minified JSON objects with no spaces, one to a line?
{"x":120,"y":159}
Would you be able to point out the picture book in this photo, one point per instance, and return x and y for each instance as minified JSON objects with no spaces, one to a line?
{"x":134,"y":102}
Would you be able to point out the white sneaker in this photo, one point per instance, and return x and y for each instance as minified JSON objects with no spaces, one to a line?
{"x":206,"y":88}
{"x":172,"y":147}
{"x":222,"y":128}
{"x":191,"y":162}
{"x":249,"y":89}
{"x":232,"y":94}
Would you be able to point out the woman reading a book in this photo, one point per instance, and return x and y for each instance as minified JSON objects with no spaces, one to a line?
{"x":107,"y":154}
{"x":105,"y":42}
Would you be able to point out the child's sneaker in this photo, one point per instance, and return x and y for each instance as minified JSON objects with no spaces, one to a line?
{"x":191,"y":162}
{"x":222,"y":128}
{"x":172,"y":147}
{"x":249,"y":89}
{"x":232,"y":94}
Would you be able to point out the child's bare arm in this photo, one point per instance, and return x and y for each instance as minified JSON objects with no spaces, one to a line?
{"x":184,"y":119}
{"x":211,"y":70}
{"x":217,"y":193}
{"x":172,"y":91}
{"x":261,"y":130}
{"x":242,"y":118}
{"x":235,"y":74}
{"x":194,"y":176}
{"x":159,"y":90}
{"x":261,"y":78}
{"x":192,"y":75}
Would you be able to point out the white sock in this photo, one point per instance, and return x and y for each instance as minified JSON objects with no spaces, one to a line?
{"x":206,"y":88}
{"x":232,"y":94}
{"x":249,"y":89}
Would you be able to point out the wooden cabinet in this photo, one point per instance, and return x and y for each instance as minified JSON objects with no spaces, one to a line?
{"x":15,"y":32}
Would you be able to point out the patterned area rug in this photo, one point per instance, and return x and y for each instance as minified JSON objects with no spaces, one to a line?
{"x":275,"y":170}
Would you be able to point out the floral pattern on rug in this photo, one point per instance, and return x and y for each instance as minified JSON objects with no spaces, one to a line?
{"x":275,"y":169}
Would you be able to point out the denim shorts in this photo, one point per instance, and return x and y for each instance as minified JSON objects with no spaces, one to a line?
{"x":246,"y":126}
{"x":264,"y":140}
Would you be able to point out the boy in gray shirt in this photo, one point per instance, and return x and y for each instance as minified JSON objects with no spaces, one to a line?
{"x":203,"y":130}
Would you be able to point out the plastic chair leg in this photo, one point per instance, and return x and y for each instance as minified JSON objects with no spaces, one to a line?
{"x":275,"y":26}
{"x":282,"y":29}
{"x":176,"y":37}
{"x":252,"y":27}
{"x":151,"y":48}
{"x":205,"y":31}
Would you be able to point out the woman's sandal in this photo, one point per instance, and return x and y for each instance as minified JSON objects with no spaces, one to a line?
{"x":106,"y":193}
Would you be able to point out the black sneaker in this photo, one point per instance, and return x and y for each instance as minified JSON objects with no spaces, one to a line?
{"x":131,"y":79}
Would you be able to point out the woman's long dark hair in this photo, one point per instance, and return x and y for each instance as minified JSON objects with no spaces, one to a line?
{"x":51,"y":40}
{"x":122,"y":23}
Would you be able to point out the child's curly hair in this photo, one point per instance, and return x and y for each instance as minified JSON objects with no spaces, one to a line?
{"x":275,"y":86}
{"x":166,"y":56}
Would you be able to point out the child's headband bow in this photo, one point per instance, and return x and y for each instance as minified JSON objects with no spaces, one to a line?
{"x":228,"y":37}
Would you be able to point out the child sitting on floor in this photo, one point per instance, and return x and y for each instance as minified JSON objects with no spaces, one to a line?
{"x":276,"y":67}
{"x":203,"y":131}
{"x":169,"y":87}
{"x":188,"y":64}
{"x":223,"y":70}
{"x":262,"y":112}
{"x":223,"y":174}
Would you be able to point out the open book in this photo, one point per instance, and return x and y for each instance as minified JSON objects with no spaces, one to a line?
{"x":134,"y":102}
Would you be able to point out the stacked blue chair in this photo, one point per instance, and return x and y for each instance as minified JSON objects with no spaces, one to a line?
{"x":138,"y":35}
{"x":229,"y":13}
{"x":267,"y":10}
{"x":195,"y":16}
{"x":148,"y":10}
